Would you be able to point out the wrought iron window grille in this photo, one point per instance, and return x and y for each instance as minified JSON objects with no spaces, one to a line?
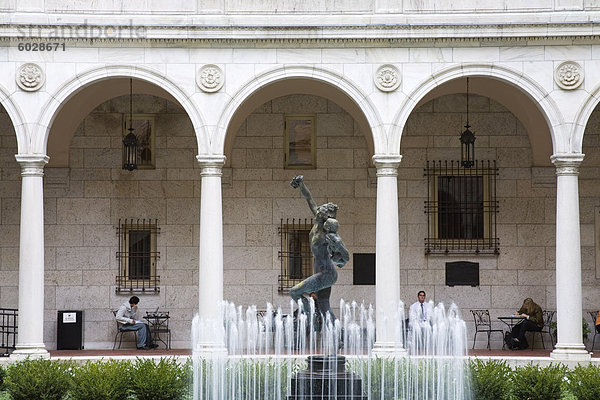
{"x":295,"y":254}
{"x":137,"y":256}
{"x":461,"y":208}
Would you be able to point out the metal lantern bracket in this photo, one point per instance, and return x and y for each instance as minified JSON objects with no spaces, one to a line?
{"x":130,"y":142}
{"x":467,"y":141}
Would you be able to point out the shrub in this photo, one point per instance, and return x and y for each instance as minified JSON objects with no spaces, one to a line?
{"x":411,"y":378}
{"x":585,"y":329}
{"x":584,"y":382}
{"x":2,"y":376}
{"x":102,"y":380}
{"x":490,"y":380}
{"x":38,"y":379}
{"x":380,"y":376}
{"x":162,"y":380}
{"x":532,"y":382}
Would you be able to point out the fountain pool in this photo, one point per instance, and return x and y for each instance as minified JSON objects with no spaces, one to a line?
{"x":267,"y":349}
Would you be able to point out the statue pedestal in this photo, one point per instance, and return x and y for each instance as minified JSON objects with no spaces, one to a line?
{"x":326,"y":379}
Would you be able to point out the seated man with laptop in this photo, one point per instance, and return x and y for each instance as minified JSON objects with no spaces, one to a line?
{"x":126,"y":316}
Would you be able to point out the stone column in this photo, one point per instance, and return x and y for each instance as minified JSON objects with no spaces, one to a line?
{"x":387,"y":257}
{"x":210,"y":285}
{"x":569,"y":344}
{"x":30,"y":338}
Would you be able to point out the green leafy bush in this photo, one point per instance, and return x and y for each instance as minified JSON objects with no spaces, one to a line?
{"x":584,"y":382}
{"x":2,"y":376}
{"x":585,"y":329}
{"x":102,"y":380}
{"x":532,"y":382}
{"x":162,"y":380}
{"x":38,"y":379}
{"x":256,"y":378}
{"x":380,"y":376}
{"x":246,"y":378}
{"x":490,"y":379}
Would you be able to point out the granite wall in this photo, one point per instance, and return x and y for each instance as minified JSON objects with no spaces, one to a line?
{"x":84,"y":202}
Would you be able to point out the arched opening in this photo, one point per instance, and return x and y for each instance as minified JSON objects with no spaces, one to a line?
{"x":10,"y":209}
{"x":265,"y":218}
{"x":589,"y":212}
{"x":511,"y":131}
{"x":515,"y":100}
{"x":84,"y":101}
{"x":112,"y":233}
{"x":297,"y":86}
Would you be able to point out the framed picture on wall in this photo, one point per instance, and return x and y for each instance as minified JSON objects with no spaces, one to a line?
{"x":300,"y":141}
{"x":144,"y":130}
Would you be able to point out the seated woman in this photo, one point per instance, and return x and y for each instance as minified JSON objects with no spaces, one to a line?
{"x":534,"y":321}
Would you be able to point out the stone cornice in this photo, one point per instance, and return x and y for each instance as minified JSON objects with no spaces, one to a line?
{"x":312,"y":43}
{"x":273,"y":35}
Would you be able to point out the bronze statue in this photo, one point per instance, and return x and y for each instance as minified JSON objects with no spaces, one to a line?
{"x":328,"y":251}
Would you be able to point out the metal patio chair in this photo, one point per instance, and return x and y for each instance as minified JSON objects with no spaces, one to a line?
{"x":120,"y":333}
{"x":483,"y":323}
{"x":548,"y":317}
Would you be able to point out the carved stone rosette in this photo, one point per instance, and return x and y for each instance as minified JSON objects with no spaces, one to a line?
{"x":210,"y":78}
{"x":568,"y":75}
{"x":30,"y":77}
{"x":387,"y":78}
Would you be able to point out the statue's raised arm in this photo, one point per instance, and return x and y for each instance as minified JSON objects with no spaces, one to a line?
{"x":328,"y":251}
{"x":298,"y":182}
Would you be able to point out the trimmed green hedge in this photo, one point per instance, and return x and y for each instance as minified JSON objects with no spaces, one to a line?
{"x":169,"y":380}
{"x":2,"y":376}
{"x":102,"y":380}
{"x":584,"y":382}
{"x":39,"y":379}
{"x":164,"y":380}
{"x":489,"y":380}
{"x":495,"y":380}
{"x":534,"y":383}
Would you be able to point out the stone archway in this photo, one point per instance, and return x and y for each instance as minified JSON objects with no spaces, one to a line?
{"x":582,"y":117}
{"x":528,"y":101}
{"x":78,"y":84}
{"x":16,"y":117}
{"x":301,"y":80}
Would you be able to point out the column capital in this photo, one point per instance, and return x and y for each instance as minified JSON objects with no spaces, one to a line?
{"x":32,"y":164}
{"x":387,"y":165}
{"x":567,"y":164}
{"x":212,"y":165}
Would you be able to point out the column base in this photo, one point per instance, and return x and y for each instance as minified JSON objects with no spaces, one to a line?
{"x":388,"y":350}
{"x":31,"y":351}
{"x":570,"y":352}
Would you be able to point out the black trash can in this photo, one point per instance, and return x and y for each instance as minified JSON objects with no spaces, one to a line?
{"x":69,"y":330}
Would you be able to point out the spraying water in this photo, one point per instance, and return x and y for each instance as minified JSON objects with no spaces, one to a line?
{"x":266,"y":348}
